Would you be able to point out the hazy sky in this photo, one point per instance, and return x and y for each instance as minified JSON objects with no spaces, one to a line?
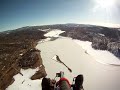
{"x":18,"y":13}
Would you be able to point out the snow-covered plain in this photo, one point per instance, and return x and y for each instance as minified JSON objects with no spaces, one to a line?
{"x":97,"y":76}
{"x":24,"y":82}
{"x":78,"y":56}
{"x":102,"y":56}
{"x":54,"y":33}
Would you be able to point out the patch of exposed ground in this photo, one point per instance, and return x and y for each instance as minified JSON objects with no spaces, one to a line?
{"x":17,"y":50}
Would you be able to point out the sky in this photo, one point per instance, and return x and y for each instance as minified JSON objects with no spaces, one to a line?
{"x":19,"y":13}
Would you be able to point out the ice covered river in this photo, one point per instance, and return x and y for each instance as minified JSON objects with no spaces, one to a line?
{"x":97,"y":76}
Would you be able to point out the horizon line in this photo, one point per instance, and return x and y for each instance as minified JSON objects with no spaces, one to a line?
{"x":109,"y":25}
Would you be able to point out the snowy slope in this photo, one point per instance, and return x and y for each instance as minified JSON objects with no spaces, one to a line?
{"x":102,"y":56}
{"x":24,"y":82}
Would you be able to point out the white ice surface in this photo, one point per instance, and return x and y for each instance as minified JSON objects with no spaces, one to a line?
{"x":101,"y":56}
{"x":54,"y":33}
{"x":97,"y":76}
{"x":24,"y":82}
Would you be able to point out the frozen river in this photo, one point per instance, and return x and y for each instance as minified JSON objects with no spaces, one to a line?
{"x":97,"y":76}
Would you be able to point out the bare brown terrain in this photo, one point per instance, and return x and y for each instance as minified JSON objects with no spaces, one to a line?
{"x":17,"y":50}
